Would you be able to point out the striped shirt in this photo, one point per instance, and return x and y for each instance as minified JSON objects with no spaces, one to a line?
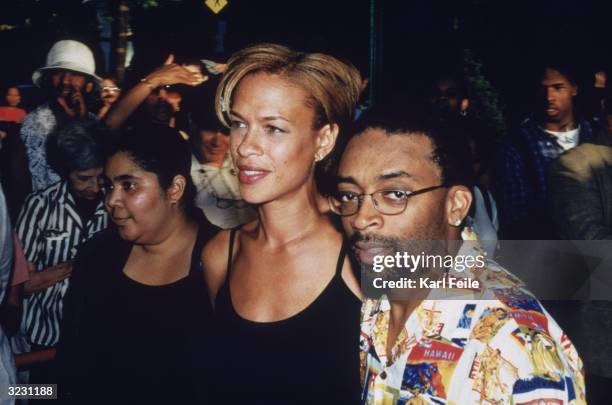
{"x":51,"y":230}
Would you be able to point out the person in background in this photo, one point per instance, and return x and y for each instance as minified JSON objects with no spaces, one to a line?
{"x":137,"y":315}
{"x":15,"y":178}
{"x":596,"y":98}
{"x":109,"y":93}
{"x":69,"y":80}
{"x":286,"y":273}
{"x":13,"y":162}
{"x":581,"y":190}
{"x":581,"y":202}
{"x":524,"y":158}
{"x":8,"y":372}
{"x":448,"y":103}
{"x":53,"y":223}
{"x":149,"y":102}
{"x":10,"y":111}
{"x":214,"y":174}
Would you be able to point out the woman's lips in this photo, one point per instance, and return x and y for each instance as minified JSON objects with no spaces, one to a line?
{"x":250,"y":174}
{"x":120,"y":220}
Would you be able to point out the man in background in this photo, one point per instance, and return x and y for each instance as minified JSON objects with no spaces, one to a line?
{"x":213,"y":173}
{"x":69,"y":79}
{"x":554,"y":128}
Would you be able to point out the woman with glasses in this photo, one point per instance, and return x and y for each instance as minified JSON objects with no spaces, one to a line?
{"x":137,"y":316}
{"x":286,"y":300}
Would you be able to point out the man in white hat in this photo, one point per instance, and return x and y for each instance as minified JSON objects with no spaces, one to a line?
{"x":68,"y":78}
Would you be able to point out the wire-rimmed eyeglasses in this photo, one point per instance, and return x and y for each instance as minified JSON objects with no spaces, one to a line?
{"x":386,"y":201}
{"x":225,"y":203}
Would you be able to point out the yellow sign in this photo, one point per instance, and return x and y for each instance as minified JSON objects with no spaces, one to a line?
{"x":216,"y":5}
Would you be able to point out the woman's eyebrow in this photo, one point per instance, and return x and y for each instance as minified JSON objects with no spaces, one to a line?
{"x":266,"y":118}
{"x":123,"y":177}
{"x":275,"y":117}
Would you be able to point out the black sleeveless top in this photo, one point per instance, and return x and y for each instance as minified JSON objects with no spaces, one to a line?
{"x":311,"y":357}
{"x":147,"y":344}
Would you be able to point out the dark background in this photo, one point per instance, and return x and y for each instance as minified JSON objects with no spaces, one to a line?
{"x":410,"y":40}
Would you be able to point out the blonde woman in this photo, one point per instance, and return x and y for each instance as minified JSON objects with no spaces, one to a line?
{"x":285,"y":297}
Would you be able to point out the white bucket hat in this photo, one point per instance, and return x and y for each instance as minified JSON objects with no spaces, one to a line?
{"x":70,"y":55}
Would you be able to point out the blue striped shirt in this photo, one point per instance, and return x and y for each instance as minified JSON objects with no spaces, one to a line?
{"x":51,"y":230}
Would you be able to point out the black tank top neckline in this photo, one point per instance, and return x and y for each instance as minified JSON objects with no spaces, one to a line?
{"x":309,"y":357}
{"x":331,"y":285}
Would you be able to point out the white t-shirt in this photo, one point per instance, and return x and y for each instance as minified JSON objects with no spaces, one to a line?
{"x":214,"y":183}
{"x":567,"y":140}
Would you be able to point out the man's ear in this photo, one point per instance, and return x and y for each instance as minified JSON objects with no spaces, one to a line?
{"x":574,"y":90}
{"x":326,"y":140}
{"x":458,"y":203}
{"x":176,"y":189}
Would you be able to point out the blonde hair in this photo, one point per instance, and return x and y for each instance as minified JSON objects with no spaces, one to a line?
{"x":333,"y":86}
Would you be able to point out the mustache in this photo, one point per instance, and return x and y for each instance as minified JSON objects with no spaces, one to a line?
{"x":373,"y":238}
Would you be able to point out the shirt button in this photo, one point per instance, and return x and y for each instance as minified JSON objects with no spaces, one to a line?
{"x":383,"y":375}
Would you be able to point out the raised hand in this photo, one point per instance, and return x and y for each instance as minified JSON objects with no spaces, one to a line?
{"x":171,"y":73}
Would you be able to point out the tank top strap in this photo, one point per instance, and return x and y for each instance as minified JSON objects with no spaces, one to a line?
{"x":230,"y":252}
{"x":341,"y":257}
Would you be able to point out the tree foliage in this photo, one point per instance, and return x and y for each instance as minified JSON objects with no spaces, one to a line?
{"x":482,"y":92}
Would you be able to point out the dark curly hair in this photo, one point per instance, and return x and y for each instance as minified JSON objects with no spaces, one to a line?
{"x":160,"y":150}
{"x":450,"y":147}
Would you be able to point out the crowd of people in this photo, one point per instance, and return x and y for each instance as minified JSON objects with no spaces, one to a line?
{"x":154,"y":251}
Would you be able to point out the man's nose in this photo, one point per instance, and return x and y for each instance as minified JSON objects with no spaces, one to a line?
{"x":94,"y":185}
{"x":163,"y":94}
{"x":367,"y":217}
{"x":67,"y":78}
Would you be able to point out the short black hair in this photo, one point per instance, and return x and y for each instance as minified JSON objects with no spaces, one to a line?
{"x":566,"y":67}
{"x":204,"y":118}
{"x":161,"y":150}
{"x":450,"y":147}
{"x":5,"y":90}
{"x":79,"y":145}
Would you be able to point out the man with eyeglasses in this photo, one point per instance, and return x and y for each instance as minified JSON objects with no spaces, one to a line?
{"x":109,"y":93}
{"x":404,"y":191}
{"x":213,"y":173}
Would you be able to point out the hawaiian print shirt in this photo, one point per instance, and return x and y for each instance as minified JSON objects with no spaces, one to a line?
{"x":496,"y":346}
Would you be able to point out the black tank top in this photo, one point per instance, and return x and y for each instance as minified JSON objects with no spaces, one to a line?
{"x":311,"y":357}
